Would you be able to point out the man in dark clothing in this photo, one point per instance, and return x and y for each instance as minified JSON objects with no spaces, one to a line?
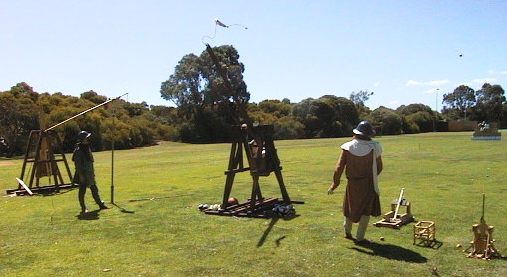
{"x":85,"y":173}
{"x":4,"y":148}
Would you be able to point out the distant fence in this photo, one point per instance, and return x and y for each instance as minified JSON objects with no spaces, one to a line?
{"x":461,"y":125}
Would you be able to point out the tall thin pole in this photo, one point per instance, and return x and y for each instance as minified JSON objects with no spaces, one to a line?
{"x":113,"y":134}
{"x":483,"y":201}
{"x":436,"y":111}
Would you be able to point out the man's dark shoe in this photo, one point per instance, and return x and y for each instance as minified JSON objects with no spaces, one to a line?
{"x":363,"y":242}
{"x":103,"y":206}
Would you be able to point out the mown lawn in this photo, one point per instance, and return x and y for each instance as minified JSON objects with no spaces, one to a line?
{"x":157,"y":230}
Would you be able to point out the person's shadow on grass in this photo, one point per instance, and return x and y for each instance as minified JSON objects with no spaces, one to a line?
{"x":93,"y":215}
{"x":389,"y":251}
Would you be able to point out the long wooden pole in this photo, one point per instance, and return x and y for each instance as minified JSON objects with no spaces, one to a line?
{"x":398,"y":205}
{"x":83,"y":112}
{"x":240,"y":109}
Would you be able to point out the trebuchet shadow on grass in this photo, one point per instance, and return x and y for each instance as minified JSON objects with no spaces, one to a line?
{"x":274,"y":220}
{"x":56,"y":192}
{"x":432,"y":245}
{"x":390,"y":251}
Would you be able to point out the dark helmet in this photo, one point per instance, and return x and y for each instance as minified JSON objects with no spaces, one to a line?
{"x":82,"y":135}
{"x":364,"y":128}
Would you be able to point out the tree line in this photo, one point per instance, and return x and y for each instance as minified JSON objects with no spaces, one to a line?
{"x":129,"y":124}
{"x":206,"y":104}
{"x":205,"y":107}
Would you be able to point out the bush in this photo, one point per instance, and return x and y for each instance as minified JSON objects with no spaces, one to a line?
{"x":389,"y":122}
{"x":288,"y":128}
{"x":409,"y":126}
{"x":423,"y":119}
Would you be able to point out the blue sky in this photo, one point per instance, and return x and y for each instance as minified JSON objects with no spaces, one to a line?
{"x":404,"y":51}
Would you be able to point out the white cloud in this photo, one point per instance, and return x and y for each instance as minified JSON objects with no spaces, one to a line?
{"x":501,"y":72}
{"x":431,"y":91}
{"x":376,"y":84}
{"x":393,"y":103}
{"x":427,"y":83}
{"x":412,"y":83}
{"x":481,"y":81}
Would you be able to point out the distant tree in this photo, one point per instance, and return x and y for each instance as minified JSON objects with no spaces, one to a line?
{"x":327,"y":122}
{"x":198,"y":90}
{"x":460,"y":100}
{"x":302,"y":111}
{"x":413,"y":108}
{"x":328,"y":116}
{"x":135,"y":109}
{"x":408,"y":126}
{"x":423,"y":119}
{"x":503,"y":122}
{"x":387,"y":120}
{"x":345,"y":113}
{"x":260,"y":116}
{"x":25,"y":90}
{"x":166,"y":115}
{"x":93,"y":97}
{"x":418,"y":114}
{"x":288,"y":127}
{"x":286,"y":101}
{"x":359,"y":98}
{"x":18,"y":116}
{"x":490,"y":101}
{"x":275,"y":107}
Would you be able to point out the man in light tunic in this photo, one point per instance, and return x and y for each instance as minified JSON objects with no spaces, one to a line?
{"x":362,"y":162}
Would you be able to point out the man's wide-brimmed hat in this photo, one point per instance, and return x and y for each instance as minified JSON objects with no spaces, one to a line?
{"x":82,"y":135}
{"x":364,"y":128}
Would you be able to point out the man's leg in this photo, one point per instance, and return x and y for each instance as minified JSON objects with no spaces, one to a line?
{"x":80,"y":196}
{"x":96,"y":197}
{"x":347,"y":227}
{"x":361,"y":229}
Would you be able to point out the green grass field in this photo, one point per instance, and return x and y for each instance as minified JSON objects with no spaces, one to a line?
{"x":158,"y":231}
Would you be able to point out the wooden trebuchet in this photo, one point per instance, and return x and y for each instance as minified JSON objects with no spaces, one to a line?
{"x":43,"y":154}
{"x":255,"y":143}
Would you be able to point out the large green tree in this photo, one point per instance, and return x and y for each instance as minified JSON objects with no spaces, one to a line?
{"x":203,"y":97}
{"x":345,"y":113}
{"x":490,"y":100}
{"x":18,"y":115}
{"x":458,"y":103}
